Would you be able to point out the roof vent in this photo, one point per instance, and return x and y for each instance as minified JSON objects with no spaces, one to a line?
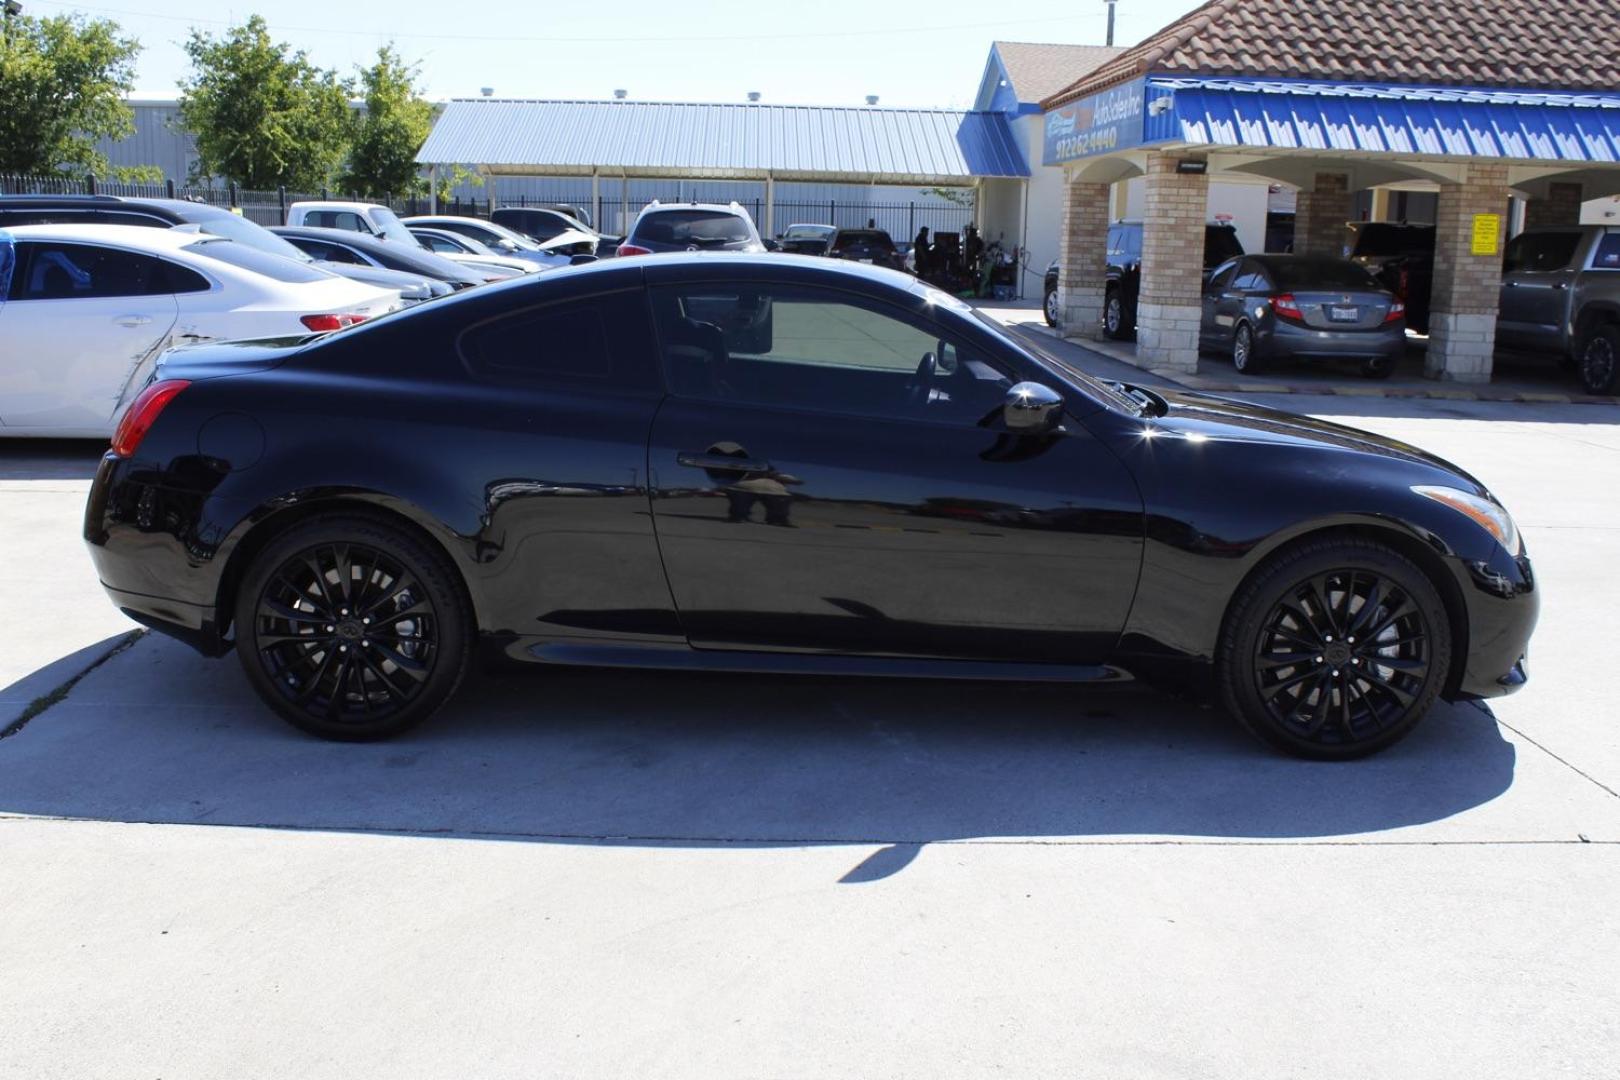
{"x":620,"y":95}
{"x":753,"y":95}
{"x":487,"y":91}
{"x":871,"y":99}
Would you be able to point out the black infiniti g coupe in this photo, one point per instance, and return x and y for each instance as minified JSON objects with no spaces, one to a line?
{"x":785,"y":464}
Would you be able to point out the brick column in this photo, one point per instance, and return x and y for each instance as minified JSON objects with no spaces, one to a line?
{"x":1083,"y":260}
{"x":1170,"y":308}
{"x":1467,"y":287}
{"x":1562,"y":206}
{"x":1320,"y":214}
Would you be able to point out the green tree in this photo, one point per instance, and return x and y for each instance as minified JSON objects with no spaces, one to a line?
{"x":382,"y":157}
{"x":62,"y":86}
{"x":262,"y":114}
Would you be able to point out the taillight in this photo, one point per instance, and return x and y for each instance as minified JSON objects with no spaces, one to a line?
{"x":143,"y":413}
{"x":1287,"y":307}
{"x":633,"y":249}
{"x":1397,"y":310}
{"x":322,"y":323}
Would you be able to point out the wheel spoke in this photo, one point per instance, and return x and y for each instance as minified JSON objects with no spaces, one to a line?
{"x":413,"y":668}
{"x":1398,"y":663}
{"x":401,"y":584}
{"x":1374,"y":679}
{"x":1269,"y":692}
{"x":1403,"y":609}
{"x":1369,"y":608}
{"x":276,"y":609}
{"x":1273,"y":661}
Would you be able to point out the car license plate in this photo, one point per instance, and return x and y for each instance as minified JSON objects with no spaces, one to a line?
{"x":1344,"y":314}
{"x":866,"y":260}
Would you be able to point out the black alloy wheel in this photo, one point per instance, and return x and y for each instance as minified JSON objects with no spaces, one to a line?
{"x":1600,"y":360}
{"x":1244,"y":357}
{"x":1114,"y":316}
{"x":351,"y":628}
{"x":1050,"y":306}
{"x":1336,"y":650}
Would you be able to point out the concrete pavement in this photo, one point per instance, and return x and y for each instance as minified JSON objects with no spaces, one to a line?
{"x":581,"y":873}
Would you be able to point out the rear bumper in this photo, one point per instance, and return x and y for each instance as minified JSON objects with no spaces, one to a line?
{"x":1285,"y":340}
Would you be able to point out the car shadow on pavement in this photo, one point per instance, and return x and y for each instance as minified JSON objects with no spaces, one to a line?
{"x":158,"y":734}
{"x":50,"y":459}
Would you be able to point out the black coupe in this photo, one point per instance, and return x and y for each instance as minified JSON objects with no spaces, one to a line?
{"x":785,"y":464}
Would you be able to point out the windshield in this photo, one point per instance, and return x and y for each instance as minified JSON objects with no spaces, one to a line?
{"x":391,"y":227}
{"x":693,"y":227}
{"x":254,"y":259}
{"x":1102,"y":391}
{"x":807,"y":232}
{"x":244,"y":232}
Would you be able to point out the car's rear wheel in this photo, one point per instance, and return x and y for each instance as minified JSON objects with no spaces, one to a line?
{"x":1378,"y":367}
{"x":1114,"y":315}
{"x":1334,"y":650}
{"x":1244,"y":357}
{"x":352,"y":628}
{"x":1599,"y":360}
{"x":1050,"y":306}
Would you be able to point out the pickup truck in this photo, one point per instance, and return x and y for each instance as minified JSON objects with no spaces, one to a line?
{"x":1561,"y":294}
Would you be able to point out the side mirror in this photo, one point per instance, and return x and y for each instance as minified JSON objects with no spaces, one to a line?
{"x":581,"y":260}
{"x":771,"y":245}
{"x":506,"y":245}
{"x":1031,"y":409}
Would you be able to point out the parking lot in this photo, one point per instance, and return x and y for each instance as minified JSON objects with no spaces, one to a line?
{"x":574,"y":871}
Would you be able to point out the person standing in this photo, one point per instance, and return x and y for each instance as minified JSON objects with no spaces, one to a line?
{"x":923,"y":254}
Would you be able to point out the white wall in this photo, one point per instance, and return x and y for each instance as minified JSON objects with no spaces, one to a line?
{"x":1601,"y":211}
{"x":1043,"y":231}
{"x":1242,"y":204}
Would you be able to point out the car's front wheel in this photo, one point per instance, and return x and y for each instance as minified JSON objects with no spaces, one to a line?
{"x":1050,"y":306}
{"x":1114,"y":324}
{"x":1335,"y":649}
{"x":1599,"y":360}
{"x":352,"y":628}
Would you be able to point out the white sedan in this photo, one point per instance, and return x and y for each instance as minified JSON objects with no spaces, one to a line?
{"x":90,"y":307}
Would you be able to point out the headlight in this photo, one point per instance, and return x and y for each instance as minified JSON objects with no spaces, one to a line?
{"x":1487,"y":514}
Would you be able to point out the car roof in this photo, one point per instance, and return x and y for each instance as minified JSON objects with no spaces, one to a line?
{"x":131,"y":236}
{"x":332,"y":204}
{"x":428,"y":219}
{"x":733,"y":209}
{"x":179,"y":208}
{"x":336,"y":236}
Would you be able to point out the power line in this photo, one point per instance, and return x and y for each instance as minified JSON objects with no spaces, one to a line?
{"x":907,"y":31}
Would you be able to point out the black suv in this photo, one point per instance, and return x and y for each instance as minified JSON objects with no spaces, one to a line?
{"x":868,"y":246}
{"x":1401,"y":257}
{"x":1125,"y":273}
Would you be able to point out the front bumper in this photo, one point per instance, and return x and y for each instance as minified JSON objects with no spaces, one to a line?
{"x":1503,"y":604}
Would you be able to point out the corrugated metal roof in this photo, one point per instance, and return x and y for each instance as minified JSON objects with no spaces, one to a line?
{"x":790,"y":142}
{"x":1387,"y":119}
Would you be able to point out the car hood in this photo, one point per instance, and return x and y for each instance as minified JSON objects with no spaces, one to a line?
{"x":1215,"y":419}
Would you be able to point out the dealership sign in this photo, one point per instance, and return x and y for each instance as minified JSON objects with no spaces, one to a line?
{"x":1111,"y":120}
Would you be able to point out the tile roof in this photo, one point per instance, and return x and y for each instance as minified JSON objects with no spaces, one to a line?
{"x":1037,"y":71}
{"x":1527,"y":44}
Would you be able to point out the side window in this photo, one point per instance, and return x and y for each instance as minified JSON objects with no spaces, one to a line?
{"x":1222,"y":276}
{"x":51,"y":271}
{"x":1251,"y":278}
{"x":183,"y":279}
{"x":803,"y":348}
{"x":1607,"y":256}
{"x":339,"y":254}
{"x":589,"y":342}
{"x":1541,"y":251}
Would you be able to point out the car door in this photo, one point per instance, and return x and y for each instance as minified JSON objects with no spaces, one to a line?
{"x":78,"y":322}
{"x":1537,"y":272}
{"x":829,"y":475}
{"x":1215,"y":328}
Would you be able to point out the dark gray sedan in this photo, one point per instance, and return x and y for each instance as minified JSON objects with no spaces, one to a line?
{"x":1260,"y":308}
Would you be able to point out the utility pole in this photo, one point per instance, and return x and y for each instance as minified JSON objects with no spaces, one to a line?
{"x":1110,"y":4}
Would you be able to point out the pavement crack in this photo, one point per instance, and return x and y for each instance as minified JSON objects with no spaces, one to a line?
{"x":46,"y":700}
{"x":1565,"y":762}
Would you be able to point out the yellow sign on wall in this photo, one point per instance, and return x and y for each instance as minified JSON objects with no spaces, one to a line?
{"x":1487,"y":234}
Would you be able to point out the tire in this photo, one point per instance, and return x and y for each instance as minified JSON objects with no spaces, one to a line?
{"x":1244,"y":357}
{"x":1599,"y":361}
{"x":1049,"y":306}
{"x":1114,"y":323}
{"x":397,"y":644}
{"x":1377,"y":367}
{"x":1290,"y":667}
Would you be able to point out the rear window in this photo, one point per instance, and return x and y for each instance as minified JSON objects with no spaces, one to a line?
{"x":244,"y":232}
{"x":251,"y":259}
{"x":693,"y":227}
{"x":863,"y":238}
{"x":1307,"y":274}
{"x":1220,"y":244}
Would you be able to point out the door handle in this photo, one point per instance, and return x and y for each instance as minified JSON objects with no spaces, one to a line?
{"x":721,"y":463}
{"x":132,"y":320}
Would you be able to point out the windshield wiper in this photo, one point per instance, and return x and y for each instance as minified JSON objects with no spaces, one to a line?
{"x":1150,"y":403}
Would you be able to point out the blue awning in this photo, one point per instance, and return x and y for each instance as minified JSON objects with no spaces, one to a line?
{"x":1386,"y":119}
{"x":726,"y":141}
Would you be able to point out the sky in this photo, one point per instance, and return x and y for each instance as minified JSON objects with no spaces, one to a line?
{"x":823,"y":52}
